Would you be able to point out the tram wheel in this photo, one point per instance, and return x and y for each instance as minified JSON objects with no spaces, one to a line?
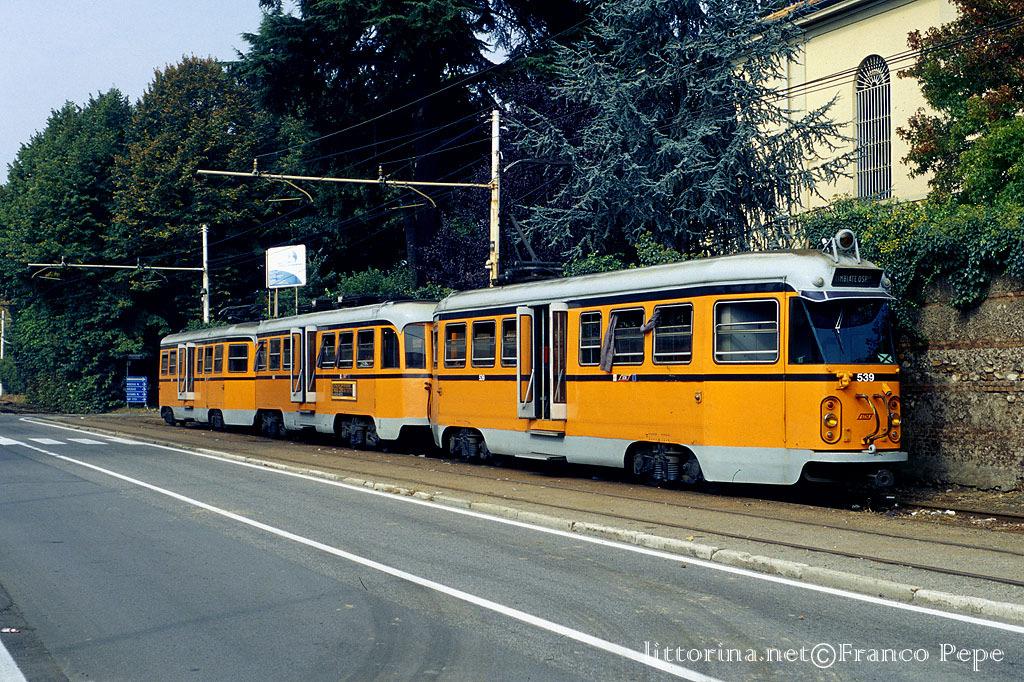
{"x":216,"y":420}
{"x":271,"y":425}
{"x":168,"y":416}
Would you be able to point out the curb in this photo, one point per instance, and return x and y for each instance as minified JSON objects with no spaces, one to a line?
{"x":823,"y":577}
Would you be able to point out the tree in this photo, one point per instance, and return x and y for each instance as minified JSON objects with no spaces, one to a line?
{"x":971,"y":72}
{"x":681,"y":132}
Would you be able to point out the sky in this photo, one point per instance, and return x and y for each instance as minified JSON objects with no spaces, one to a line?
{"x":53,"y":51}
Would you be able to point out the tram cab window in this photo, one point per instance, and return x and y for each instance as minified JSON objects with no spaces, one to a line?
{"x":508,"y":342}
{"x":218,"y":358}
{"x":389,"y":355}
{"x":455,"y":345}
{"x":415,"y":347}
{"x":328,"y":351}
{"x":628,"y":339}
{"x":747,"y":331}
{"x":590,"y":338}
{"x":673,"y":334}
{"x":483,"y":344}
{"x":848,"y":331}
{"x":364,"y":348}
{"x":172,"y":362}
{"x":260,"y":362}
{"x":238,"y":357}
{"x":346,"y":351}
{"x":275,"y":355}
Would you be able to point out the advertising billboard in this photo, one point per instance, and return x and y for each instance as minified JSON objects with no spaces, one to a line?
{"x":286,"y":266}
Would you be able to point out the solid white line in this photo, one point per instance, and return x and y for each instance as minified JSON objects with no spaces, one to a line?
{"x":46,"y":441}
{"x":9,"y":671}
{"x":880,"y":601}
{"x":522,"y":616}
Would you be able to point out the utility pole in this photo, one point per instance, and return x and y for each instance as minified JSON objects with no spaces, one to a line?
{"x":206,"y":275}
{"x":494,"y":186}
{"x":3,"y":337}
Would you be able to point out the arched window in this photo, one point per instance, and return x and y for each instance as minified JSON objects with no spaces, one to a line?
{"x":874,"y":139}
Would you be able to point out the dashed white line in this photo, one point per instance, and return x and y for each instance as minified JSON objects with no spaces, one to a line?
{"x":636,"y":549}
{"x":46,"y":441}
{"x":9,"y":441}
{"x":522,"y":616}
{"x":9,"y":671}
{"x":87,"y":441}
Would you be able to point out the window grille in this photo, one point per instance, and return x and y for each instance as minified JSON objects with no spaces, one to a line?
{"x":590,"y":338}
{"x":238,"y":357}
{"x":874,"y":125}
{"x":673,"y":334}
{"x":508,"y":342}
{"x":747,"y":331}
{"x":483,"y":344}
{"x":455,"y":345}
{"x":364,"y":348}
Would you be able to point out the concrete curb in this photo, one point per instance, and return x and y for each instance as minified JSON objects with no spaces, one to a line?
{"x":823,"y":577}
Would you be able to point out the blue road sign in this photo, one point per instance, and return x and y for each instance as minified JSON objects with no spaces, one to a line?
{"x":137,"y":390}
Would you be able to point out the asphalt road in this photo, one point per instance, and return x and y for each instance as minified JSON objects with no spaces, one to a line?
{"x":131,"y":561}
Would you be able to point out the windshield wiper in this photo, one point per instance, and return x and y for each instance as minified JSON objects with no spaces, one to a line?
{"x":839,"y":325}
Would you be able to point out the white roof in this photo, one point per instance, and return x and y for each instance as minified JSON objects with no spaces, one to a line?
{"x":398,"y":314}
{"x":795,"y":270}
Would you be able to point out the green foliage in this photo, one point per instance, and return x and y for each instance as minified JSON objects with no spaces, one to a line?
{"x":675,"y":129}
{"x":971,"y":72}
{"x":399,"y":282}
{"x":650,"y":252}
{"x":962,"y":246}
{"x":593,"y":263}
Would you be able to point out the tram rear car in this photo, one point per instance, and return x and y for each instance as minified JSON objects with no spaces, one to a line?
{"x":755,"y":368}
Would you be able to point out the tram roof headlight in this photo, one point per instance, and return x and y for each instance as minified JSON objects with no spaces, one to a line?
{"x":846,"y":240}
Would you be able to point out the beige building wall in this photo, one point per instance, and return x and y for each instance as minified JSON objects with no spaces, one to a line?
{"x":837,"y":38}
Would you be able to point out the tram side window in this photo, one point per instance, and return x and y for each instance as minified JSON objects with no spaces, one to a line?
{"x":345,"y":350}
{"x":483,"y":344}
{"x":218,"y":358}
{"x":433,"y":346}
{"x":364,"y":348}
{"x":747,"y":331}
{"x":286,"y":354}
{"x":163,"y":363}
{"x":508,"y":342}
{"x":629,"y":338}
{"x":390,"y":358}
{"x":415,"y":347}
{"x":199,"y":360}
{"x":238,"y":357}
{"x":208,"y":360}
{"x":172,"y":362}
{"x":328,"y":351}
{"x":260,"y":362}
{"x":590,"y":338}
{"x":275,"y":355}
{"x":455,"y":345}
{"x":673,"y":334}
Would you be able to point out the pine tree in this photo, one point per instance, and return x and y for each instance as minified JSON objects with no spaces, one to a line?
{"x":682,"y":133}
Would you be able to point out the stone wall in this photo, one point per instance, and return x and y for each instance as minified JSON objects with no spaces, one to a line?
{"x":964,"y":395}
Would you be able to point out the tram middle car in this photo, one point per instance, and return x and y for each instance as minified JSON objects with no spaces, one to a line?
{"x":755,"y":368}
{"x":359,"y":373}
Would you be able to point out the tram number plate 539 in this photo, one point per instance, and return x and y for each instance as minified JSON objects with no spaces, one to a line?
{"x":865,"y":376}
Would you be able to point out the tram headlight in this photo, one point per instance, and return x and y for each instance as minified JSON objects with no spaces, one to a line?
{"x":830,"y":421}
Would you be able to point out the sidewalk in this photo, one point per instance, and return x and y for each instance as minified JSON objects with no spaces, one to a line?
{"x":773,"y":535}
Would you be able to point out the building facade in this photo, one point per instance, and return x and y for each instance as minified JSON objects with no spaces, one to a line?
{"x":853,"y":51}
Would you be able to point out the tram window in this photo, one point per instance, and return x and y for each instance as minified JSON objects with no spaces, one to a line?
{"x":218,"y":358}
{"x":172,"y":362}
{"x":415,"y":347}
{"x":364,"y":348}
{"x":673,"y":334}
{"x":628,"y":337}
{"x":483,"y":344}
{"x":275,"y":355}
{"x":747,"y":331}
{"x":508,"y":342}
{"x":590,"y":338}
{"x":389,"y":355}
{"x":260,"y":363}
{"x":208,"y":360}
{"x":345,"y":350}
{"x":286,"y":353}
{"x":803,"y":349}
{"x":163,"y":363}
{"x":455,"y":345}
{"x":238,"y":357}
{"x":433,"y":346}
{"x":328,"y":351}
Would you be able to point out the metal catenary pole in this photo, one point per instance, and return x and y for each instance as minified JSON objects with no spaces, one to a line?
{"x":206,"y":274}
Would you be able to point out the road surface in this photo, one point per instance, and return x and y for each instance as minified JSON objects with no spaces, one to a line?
{"x":134,"y":561}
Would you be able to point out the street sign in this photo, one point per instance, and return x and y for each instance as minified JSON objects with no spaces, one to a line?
{"x":286,"y":266}
{"x":137,"y":391}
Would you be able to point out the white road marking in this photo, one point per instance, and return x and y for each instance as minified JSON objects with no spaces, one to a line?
{"x":9,"y":671}
{"x":522,"y":616}
{"x":636,"y":549}
{"x":46,"y":441}
{"x":87,"y":441}
{"x":9,"y":441}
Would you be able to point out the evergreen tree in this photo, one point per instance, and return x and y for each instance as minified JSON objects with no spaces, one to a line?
{"x":971,"y":72}
{"x":681,"y":132}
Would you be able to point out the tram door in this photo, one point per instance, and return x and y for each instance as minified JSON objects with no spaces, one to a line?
{"x":297,"y":374}
{"x":186,"y":367}
{"x":309,"y":363}
{"x":541,"y":361}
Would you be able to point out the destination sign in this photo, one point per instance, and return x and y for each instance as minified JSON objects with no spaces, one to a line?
{"x":856,"y":277}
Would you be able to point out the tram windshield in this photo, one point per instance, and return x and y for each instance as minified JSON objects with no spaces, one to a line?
{"x":848,"y":331}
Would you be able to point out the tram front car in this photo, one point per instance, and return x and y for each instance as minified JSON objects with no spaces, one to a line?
{"x":843,"y":372}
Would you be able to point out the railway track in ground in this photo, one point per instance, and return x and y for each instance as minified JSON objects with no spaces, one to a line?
{"x":1005,"y":517}
{"x":556,"y":482}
